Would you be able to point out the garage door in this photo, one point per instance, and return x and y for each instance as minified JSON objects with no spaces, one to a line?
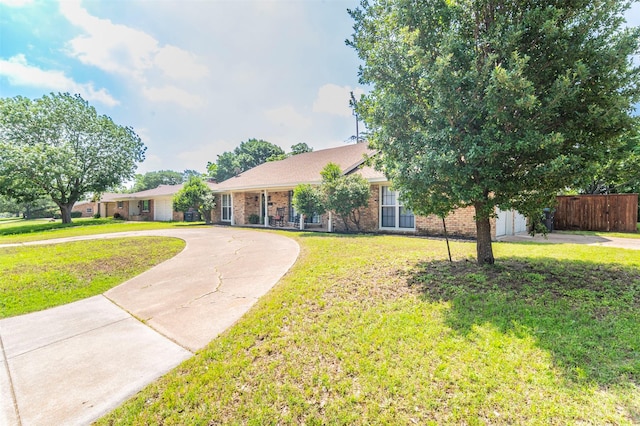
{"x":163,"y":210}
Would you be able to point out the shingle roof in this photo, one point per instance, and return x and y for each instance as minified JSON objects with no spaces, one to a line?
{"x":301,"y":168}
{"x":160,"y":191}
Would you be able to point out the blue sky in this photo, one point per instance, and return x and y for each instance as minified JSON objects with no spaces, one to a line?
{"x":193,"y":78}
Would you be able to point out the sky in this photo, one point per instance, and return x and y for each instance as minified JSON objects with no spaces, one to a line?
{"x":193,"y":78}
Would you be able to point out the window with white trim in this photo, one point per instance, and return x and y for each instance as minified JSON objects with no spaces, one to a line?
{"x":226,"y":207}
{"x":146,"y":206}
{"x":393,"y":215}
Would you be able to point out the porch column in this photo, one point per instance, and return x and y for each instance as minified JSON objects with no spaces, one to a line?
{"x":330,"y":223}
{"x":233,"y":219}
{"x":266,"y":209}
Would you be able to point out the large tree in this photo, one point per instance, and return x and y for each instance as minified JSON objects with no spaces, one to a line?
{"x":244,"y":157}
{"x":493,"y":103}
{"x":60,"y":147}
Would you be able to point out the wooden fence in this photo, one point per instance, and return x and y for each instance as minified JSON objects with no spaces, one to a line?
{"x":612,"y":212}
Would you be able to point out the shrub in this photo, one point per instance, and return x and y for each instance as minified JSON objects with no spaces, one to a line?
{"x":118,"y":216}
{"x":96,"y":215}
{"x":254,"y":219}
{"x":76,"y":214}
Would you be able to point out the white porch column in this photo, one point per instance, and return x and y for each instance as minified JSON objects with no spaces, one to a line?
{"x":266,"y":209}
{"x":233,"y":220}
{"x":330,"y":224}
{"x":301,"y":222}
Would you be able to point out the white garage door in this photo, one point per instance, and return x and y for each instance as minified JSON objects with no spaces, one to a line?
{"x":163,"y":210}
{"x":510,"y":222}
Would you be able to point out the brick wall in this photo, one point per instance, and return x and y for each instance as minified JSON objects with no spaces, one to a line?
{"x":460,"y":223}
{"x":82,"y":208}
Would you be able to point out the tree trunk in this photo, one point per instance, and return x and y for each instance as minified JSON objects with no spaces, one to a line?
{"x":207,"y":216}
{"x":65,"y":212}
{"x":484,"y":249}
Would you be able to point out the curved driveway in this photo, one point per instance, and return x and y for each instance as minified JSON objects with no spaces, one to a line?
{"x":74,"y":363}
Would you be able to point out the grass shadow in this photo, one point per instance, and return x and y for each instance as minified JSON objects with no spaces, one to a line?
{"x":585,"y":314}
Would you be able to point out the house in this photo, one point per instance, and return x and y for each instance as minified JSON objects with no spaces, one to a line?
{"x":86,"y":208}
{"x":253,"y":196}
{"x":152,"y":204}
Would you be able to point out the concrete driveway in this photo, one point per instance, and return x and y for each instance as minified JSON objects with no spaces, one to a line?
{"x":562,"y":238}
{"x":72,"y":364}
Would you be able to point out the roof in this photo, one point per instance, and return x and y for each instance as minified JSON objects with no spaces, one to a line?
{"x":302,"y":168}
{"x":160,"y":191}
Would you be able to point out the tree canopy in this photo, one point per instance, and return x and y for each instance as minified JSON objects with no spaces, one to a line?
{"x":344,"y":195}
{"x":197,"y":195}
{"x":154,"y":179}
{"x":487,"y":103}
{"x":244,"y":157}
{"x":60,"y":147}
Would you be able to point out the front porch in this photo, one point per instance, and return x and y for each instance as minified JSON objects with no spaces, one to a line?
{"x":272,"y":209}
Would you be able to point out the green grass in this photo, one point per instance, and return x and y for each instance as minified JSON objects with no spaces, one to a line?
{"x":384,"y":330}
{"x":34,"y":230}
{"x":39,"y":277}
{"x":606,"y":234}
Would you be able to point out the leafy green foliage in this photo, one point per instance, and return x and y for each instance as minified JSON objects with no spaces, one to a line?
{"x":246,"y":156}
{"x":195,"y":194}
{"x":300,"y":148}
{"x":307,"y":200}
{"x":151,"y":180}
{"x":490,"y":104}
{"x":344,"y":195}
{"x":619,"y":172}
{"x":58,"y":146}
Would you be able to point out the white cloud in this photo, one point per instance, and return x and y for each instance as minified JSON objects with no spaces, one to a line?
{"x":20,"y":73}
{"x":16,"y":3}
{"x":127,"y":51}
{"x":173,"y":94}
{"x":288,"y":117}
{"x":179,"y":64}
{"x":334,"y":99}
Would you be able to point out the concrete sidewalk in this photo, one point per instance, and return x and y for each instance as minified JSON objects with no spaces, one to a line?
{"x":563,"y":238}
{"x":71,"y":364}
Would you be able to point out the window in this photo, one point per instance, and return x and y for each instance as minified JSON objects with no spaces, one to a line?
{"x":120,"y":204}
{"x":226,"y":207}
{"x":145,"y":206}
{"x":89,"y":210}
{"x":392,"y":213}
{"x":293,"y":215}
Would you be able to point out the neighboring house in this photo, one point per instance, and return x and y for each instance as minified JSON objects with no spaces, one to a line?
{"x":153,"y":204}
{"x":258,"y":192}
{"x":87,"y":208}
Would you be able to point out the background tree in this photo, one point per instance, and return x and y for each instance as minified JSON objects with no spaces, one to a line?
{"x":619,"y":172}
{"x":487,"y":103}
{"x":307,"y":201}
{"x":344,"y":195}
{"x":299,"y":148}
{"x":151,"y":180}
{"x":246,"y":156}
{"x":60,"y":147}
{"x":197,"y":195}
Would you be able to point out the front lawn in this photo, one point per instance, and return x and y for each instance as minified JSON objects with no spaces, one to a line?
{"x":384,"y":330}
{"x":39,"y":277}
